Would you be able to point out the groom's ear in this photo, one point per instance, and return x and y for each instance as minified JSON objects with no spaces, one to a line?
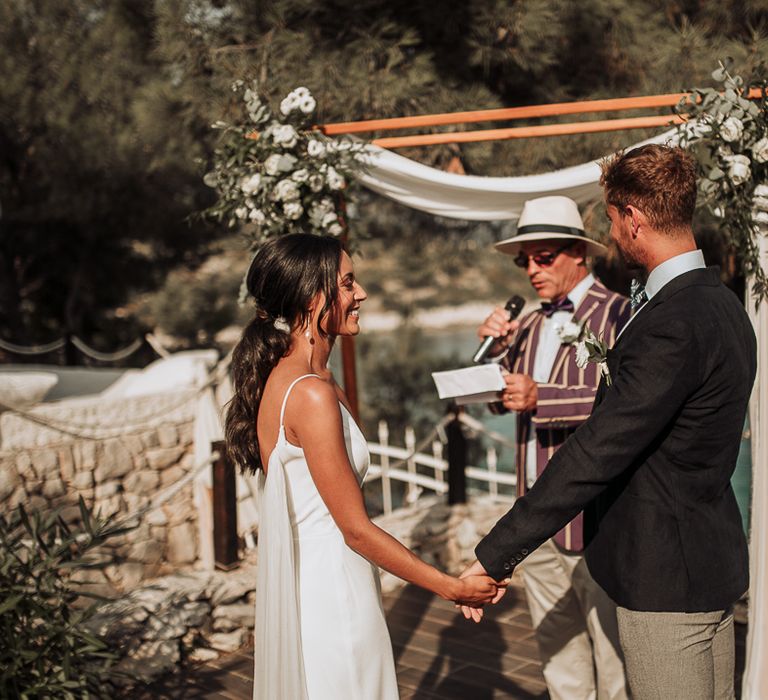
{"x":637,"y":219}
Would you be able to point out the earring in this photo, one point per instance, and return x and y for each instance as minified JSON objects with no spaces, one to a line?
{"x":308,"y":335}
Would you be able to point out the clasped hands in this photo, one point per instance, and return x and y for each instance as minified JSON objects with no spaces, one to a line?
{"x":474,"y":611}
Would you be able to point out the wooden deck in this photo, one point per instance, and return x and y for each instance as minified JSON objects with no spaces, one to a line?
{"x":439,"y":655}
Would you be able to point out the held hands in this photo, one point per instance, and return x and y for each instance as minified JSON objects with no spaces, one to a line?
{"x":498,"y":325}
{"x":475,"y":611}
{"x":520,"y":394}
{"x":477,"y":589}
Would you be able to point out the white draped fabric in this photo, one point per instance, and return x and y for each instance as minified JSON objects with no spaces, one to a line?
{"x":755,"y":685}
{"x":473,"y":197}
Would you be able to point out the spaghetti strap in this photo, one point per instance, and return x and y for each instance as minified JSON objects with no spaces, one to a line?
{"x":288,"y":391}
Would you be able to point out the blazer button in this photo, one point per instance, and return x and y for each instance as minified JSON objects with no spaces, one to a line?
{"x":507,"y":566}
{"x":524,"y":552}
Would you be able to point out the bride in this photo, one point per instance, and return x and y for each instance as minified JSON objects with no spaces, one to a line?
{"x":320,"y":629}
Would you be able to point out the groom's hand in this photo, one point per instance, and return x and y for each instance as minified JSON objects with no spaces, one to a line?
{"x":476,"y":613}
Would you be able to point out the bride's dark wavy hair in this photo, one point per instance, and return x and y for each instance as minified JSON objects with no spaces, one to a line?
{"x":285,"y":276}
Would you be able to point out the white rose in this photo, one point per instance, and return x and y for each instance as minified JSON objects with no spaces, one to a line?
{"x":334,"y":180}
{"x":316,"y":182}
{"x":301,"y":175}
{"x":241,"y":212}
{"x":335,"y":230}
{"x":288,"y":104}
{"x":731,"y":129}
{"x":582,"y":354}
{"x":285,"y":135}
{"x":697,"y":129}
{"x":569,"y":332}
{"x":293,"y":210}
{"x":257,"y":216}
{"x":301,"y":92}
{"x":760,"y":150}
{"x":328,"y":219}
{"x":738,"y":170}
{"x":272,"y":164}
{"x":250,"y":184}
{"x":307,"y":104}
{"x":316,"y":149}
{"x":286,"y":190}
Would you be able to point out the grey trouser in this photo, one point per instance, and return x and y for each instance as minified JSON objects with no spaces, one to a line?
{"x":575,"y":623}
{"x":678,"y":655}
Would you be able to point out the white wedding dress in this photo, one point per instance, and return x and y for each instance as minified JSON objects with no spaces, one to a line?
{"x":320,"y":630}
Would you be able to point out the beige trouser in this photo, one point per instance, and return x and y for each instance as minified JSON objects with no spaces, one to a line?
{"x":575,"y":623}
{"x":686,"y":656}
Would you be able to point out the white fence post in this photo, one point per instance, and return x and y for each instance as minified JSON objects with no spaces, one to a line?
{"x":492,"y":459}
{"x":410,"y":446}
{"x":386,"y":489}
{"x":437,"y":451}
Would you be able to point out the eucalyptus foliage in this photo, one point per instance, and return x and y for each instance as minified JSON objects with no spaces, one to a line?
{"x":45,"y":649}
{"x":728,"y":132}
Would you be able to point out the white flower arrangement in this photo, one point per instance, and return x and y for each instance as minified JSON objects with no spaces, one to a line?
{"x":569,"y":332}
{"x":728,"y":133}
{"x":276,"y":174}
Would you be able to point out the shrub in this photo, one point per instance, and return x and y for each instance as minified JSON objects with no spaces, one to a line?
{"x":45,"y":648}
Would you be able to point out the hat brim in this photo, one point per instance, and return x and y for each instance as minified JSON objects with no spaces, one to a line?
{"x":511,"y":246}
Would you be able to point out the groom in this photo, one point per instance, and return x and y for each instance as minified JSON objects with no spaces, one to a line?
{"x":655,"y":458}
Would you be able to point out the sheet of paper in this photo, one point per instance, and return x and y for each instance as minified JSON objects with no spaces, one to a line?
{"x":477,"y":384}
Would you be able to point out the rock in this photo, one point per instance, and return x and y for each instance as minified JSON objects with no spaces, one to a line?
{"x":466,"y":534}
{"x":156,"y":517}
{"x":241,"y":614}
{"x":17,"y":497}
{"x":195,"y":612}
{"x":151,"y":660}
{"x":46,"y":463}
{"x":164,"y":457}
{"x":36,"y":503}
{"x":193,"y":585}
{"x":128,"y":575}
{"x":53,"y":488}
{"x":168,"y":436}
{"x":115,"y":461}
{"x":66,"y":463}
{"x":146,"y":552}
{"x":23,"y":465}
{"x":228,"y":641}
{"x":171,"y":476}
{"x":224,"y":624}
{"x":178,"y":510}
{"x":169,"y":625}
{"x":85,"y":455}
{"x":82,"y":480}
{"x":142,"y":483}
{"x":9,"y":481}
{"x":134,"y":444}
{"x":182,"y":544}
{"x":231,"y":588}
{"x":106,"y":489}
{"x":202,"y":654}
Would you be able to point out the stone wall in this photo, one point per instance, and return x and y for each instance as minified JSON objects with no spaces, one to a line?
{"x":116,"y":475}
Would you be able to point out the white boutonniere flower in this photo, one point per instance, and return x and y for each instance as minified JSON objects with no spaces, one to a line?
{"x":591,"y":348}
{"x":569,"y":332}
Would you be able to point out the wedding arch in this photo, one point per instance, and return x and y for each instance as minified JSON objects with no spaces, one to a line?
{"x":501,"y":198}
{"x":288,"y":173}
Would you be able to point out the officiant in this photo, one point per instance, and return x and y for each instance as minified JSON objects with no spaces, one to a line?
{"x":551,"y":395}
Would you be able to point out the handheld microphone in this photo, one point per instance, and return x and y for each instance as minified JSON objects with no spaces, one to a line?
{"x":513,"y":306}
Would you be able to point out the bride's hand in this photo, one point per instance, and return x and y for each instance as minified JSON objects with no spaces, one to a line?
{"x":477,"y":590}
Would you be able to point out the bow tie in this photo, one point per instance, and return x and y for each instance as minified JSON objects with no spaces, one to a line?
{"x":637,"y":295}
{"x":548,"y":308}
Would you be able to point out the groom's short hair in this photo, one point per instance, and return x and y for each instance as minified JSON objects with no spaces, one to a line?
{"x":659,"y":180}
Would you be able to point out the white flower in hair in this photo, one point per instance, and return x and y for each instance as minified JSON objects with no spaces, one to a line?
{"x":760,"y":150}
{"x":293,"y":210}
{"x":250,"y":184}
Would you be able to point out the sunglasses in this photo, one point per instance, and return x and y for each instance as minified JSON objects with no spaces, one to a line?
{"x":544,"y":259}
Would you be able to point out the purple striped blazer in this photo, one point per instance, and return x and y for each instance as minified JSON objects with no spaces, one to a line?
{"x":565,"y":401}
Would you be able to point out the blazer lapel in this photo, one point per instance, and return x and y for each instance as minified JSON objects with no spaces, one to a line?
{"x":592,"y":300}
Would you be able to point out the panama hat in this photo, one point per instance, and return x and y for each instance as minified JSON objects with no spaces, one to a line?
{"x":546,"y":219}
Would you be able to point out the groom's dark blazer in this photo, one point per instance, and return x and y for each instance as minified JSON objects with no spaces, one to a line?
{"x":652,"y":465}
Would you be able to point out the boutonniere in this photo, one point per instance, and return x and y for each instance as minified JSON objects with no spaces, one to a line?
{"x":569,"y":332}
{"x":591,"y":348}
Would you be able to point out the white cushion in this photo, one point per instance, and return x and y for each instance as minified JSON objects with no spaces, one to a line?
{"x":24,"y":389}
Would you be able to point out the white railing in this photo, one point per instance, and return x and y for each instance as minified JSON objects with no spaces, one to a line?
{"x":422,"y":472}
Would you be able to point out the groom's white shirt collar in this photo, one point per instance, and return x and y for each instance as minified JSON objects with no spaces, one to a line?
{"x":663,"y":274}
